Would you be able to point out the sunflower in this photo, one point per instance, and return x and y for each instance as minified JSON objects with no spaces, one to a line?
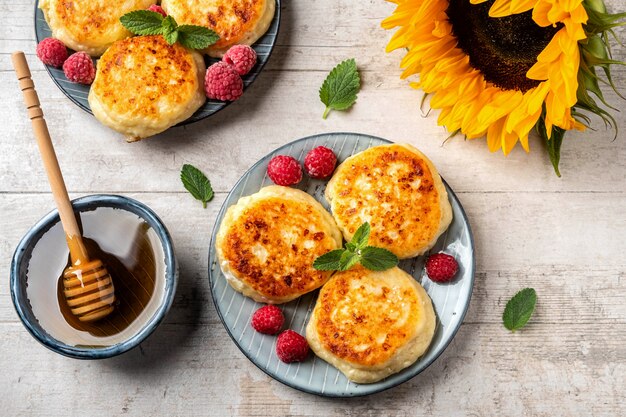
{"x":501,"y":68}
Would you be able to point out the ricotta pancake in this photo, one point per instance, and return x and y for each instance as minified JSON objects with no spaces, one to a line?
{"x":267,"y":243}
{"x":398,"y":191}
{"x":89,"y":25}
{"x":235,"y":21}
{"x":143,"y":86}
{"x":370,"y":325}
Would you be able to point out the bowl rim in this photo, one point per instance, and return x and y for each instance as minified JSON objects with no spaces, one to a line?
{"x":46,"y":223}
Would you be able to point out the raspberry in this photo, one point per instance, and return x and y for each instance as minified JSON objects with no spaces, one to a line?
{"x":441,"y":267}
{"x":79,"y":68}
{"x":222,"y":82}
{"x":158,"y":9}
{"x":284,"y":170}
{"x":320,"y":162}
{"x":241,"y":57}
{"x":291,"y":347}
{"x":268,"y":320}
{"x":52,"y":52}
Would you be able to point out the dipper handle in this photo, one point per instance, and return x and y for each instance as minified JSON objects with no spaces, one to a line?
{"x":50,"y":162}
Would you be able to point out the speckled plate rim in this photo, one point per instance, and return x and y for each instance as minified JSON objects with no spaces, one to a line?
{"x":40,"y":228}
{"x":248,"y":78}
{"x":408,"y":374}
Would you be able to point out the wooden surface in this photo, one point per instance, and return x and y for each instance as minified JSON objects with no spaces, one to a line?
{"x":564,"y":237}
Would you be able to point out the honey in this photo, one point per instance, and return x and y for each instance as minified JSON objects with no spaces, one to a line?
{"x":132,"y":253}
{"x":133,"y":276}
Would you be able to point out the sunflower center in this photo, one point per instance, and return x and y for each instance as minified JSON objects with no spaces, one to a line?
{"x":502,"y":49}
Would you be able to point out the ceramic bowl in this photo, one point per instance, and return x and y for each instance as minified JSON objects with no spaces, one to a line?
{"x":41,"y":257}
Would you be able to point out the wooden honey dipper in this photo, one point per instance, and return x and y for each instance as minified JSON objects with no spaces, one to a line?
{"x":87,"y":285}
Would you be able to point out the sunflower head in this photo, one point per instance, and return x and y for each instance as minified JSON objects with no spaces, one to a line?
{"x":500,"y":68}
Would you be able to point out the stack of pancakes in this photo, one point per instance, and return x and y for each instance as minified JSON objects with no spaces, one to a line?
{"x":367,"y":324}
{"x":143,"y":86}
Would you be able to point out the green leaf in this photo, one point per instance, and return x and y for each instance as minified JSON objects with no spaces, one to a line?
{"x":143,"y":22}
{"x":519,"y":309}
{"x":348,"y":260}
{"x":171,"y":37}
{"x":371,"y":257}
{"x":338,"y":92}
{"x":328,"y":261}
{"x":196,"y":37}
{"x":170,"y":30}
{"x":196,"y":183}
{"x":378,"y":259}
{"x":361,"y":236}
{"x":553,"y":143}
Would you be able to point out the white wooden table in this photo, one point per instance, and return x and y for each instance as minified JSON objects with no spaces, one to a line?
{"x":564,"y":237}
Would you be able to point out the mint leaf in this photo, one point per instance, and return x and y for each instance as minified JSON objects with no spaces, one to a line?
{"x":143,"y":22}
{"x":378,"y":259}
{"x":328,"y":261}
{"x":196,"y":37}
{"x":338,"y":92}
{"x":361,"y":236}
{"x":357,"y":251}
{"x":171,"y":37}
{"x":170,"y":30}
{"x":196,"y":183}
{"x":519,"y":309}
{"x":146,"y":22}
{"x":348,"y":260}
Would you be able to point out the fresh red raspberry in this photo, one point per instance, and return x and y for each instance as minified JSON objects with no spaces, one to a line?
{"x":241,"y":57}
{"x":291,"y":347}
{"x":158,"y":9}
{"x":52,"y":52}
{"x":284,"y":170}
{"x":79,"y":68}
{"x":222,"y":82}
{"x":320,"y":162}
{"x":441,"y":267}
{"x":268,"y":320}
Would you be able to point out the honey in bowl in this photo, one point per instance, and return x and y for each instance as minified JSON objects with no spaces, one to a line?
{"x":134,"y":285}
{"x":134,"y":256}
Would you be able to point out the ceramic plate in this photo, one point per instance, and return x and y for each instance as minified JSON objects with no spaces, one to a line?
{"x":78,"y":92}
{"x":314,"y":375}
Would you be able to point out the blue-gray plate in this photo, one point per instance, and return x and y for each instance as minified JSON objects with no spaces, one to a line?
{"x":315,"y":376}
{"x":78,"y":92}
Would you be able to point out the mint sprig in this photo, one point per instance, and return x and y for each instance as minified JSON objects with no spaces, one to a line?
{"x":357,"y":251}
{"x":196,"y":183}
{"x":143,"y":22}
{"x":338,"y":92}
{"x":196,"y":37}
{"x":519,"y":309}
{"x":146,"y":22}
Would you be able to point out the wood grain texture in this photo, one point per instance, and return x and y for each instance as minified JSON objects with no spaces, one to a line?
{"x":564,"y":237}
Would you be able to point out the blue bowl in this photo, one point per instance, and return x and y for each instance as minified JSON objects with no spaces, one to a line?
{"x":46,"y":238}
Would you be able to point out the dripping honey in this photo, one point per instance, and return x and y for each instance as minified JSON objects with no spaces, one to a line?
{"x":134,"y":279}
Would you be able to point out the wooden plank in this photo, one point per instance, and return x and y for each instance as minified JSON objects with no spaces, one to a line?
{"x":268,"y":116}
{"x":546,"y":370}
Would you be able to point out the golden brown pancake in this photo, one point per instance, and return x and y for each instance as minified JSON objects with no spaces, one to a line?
{"x":267,"y":243}
{"x":144,"y":85}
{"x":89,"y":25}
{"x":371,"y":324}
{"x":398,"y":191}
{"x":235,"y":21}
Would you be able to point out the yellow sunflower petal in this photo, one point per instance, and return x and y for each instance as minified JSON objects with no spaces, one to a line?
{"x":494,"y":135}
{"x":466,"y":100}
